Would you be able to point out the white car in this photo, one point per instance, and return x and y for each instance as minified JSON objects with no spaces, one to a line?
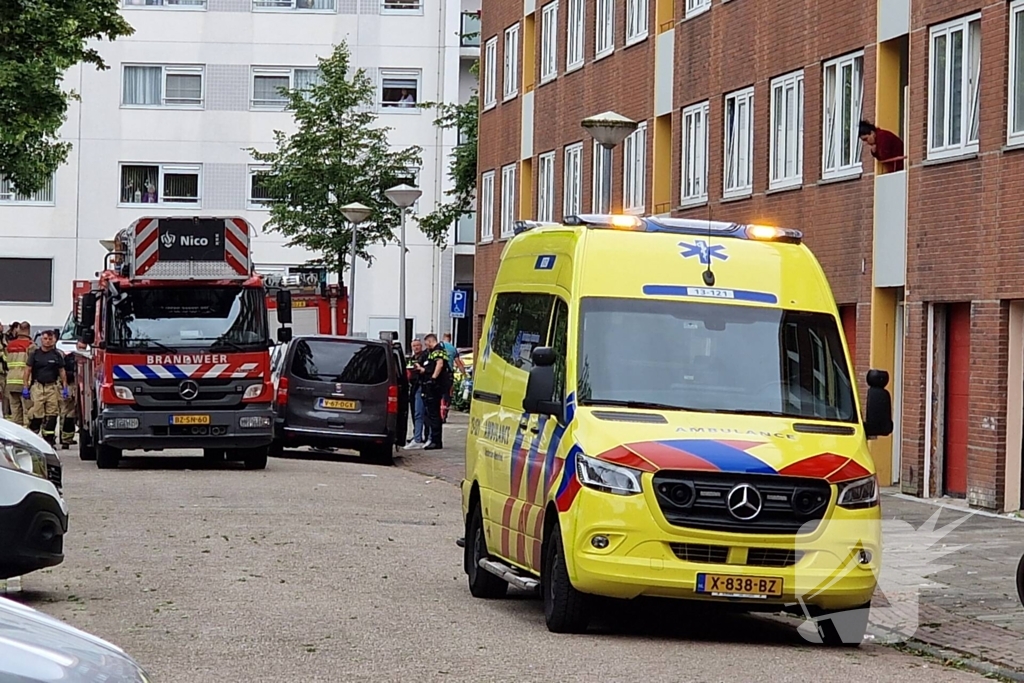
{"x":33,"y":512}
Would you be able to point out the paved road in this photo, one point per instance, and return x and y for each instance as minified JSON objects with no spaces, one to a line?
{"x":334,"y":570}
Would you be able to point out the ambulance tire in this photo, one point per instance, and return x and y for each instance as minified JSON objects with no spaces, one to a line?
{"x":256,"y":458}
{"x":844,"y":628}
{"x":107,"y":457}
{"x":86,"y":447}
{"x":482,"y":584}
{"x":566,"y":610}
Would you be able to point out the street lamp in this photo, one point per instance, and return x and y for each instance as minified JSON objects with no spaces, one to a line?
{"x":403,"y":196}
{"x":355,"y":213}
{"x":609,"y":129}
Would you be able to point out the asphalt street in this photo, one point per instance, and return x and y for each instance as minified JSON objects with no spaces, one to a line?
{"x":323,"y":568}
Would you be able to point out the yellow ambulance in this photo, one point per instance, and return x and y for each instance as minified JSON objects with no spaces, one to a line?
{"x":665,"y":407}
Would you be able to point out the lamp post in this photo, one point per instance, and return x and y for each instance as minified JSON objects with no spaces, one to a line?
{"x":403,"y":196}
{"x":355,"y":214}
{"x":609,"y":129}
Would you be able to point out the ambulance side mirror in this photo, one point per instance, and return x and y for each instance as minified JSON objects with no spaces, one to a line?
{"x":540,"y":387}
{"x":284,"y":306}
{"x":878,"y":420}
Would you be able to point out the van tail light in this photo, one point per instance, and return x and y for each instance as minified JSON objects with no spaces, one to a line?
{"x":282,"y":391}
{"x":393,"y":399}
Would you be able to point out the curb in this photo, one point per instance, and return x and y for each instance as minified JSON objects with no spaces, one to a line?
{"x":957,"y":659}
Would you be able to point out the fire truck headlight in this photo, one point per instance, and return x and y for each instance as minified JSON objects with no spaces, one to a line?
{"x":124,"y":393}
{"x":252,"y":391}
{"x":253,"y":422}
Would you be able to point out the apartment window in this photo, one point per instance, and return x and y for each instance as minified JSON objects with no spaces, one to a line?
{"x":26,"y":280}
{"x":601,"y":198}
{"x":637,"y":14}
{"x":634,"y":169}
{"x":549,"y":42}
{"x":1016,"y":110}
{"x":491,"y":73}
{"x":695,"y":154}
{"x":786,"y":153}
{"x":546,"y":187}
{"x":511,"y":80}
{"x":259,"y":196}
{"x":487,"y":207}
{"x":402,"y":6}
{"x":843,"y":92}
{"x":148,"y":4}
{"x":953,"y":94}
{"x":604,"y":28}
{"x":575,"y":35}
{"x":160,"y":184}
{"x":10,"y":195}
{"x":400,"y":89}
{"x":739,"y":144}
{"x":270,"y":86}
{"x":162,"y":86}
{"x":314,"y":5}
{"x":508,"y":200}
{"x":572,"y":183}
{"x":695,"y":7}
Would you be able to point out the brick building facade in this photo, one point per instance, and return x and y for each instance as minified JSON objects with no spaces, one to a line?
{"x":749,"y":112}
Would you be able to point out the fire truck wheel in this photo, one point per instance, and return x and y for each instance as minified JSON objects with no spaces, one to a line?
{"x":214,"y":455}
{"x":256,"y":458}
{"x":107,"y":458}
{"x":86,"y":447}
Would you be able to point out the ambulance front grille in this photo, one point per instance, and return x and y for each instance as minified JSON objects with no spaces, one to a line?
{"x":719,"y":554}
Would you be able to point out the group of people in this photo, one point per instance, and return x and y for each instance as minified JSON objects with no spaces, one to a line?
{"x":37,"y":383}
{"x":431,"y":367}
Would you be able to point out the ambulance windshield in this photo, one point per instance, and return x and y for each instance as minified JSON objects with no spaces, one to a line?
{"x":174,"y":318}
{"x":709,"y":357}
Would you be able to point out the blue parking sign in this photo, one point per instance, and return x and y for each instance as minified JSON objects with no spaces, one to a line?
{"x":459,"y":299}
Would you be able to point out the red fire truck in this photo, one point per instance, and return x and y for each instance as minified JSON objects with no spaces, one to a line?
{"x":178,"y":338}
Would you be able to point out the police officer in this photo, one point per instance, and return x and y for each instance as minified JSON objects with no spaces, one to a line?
{"x":45,"y":383}
{"x":67,"y":403}
{"x":437,"y":377}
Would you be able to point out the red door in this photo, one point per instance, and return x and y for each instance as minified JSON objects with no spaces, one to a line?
{"x":848,"y":317}
{"x":958,"y":377}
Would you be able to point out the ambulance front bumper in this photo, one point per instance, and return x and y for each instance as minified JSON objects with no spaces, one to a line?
{"x":126,"y":428}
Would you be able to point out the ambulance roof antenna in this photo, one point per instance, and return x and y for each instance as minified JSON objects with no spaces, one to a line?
{"x":708,"y":275}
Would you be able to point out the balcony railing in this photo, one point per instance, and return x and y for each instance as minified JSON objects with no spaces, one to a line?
{"x":465,"y":230}
{"x":470,"y":34}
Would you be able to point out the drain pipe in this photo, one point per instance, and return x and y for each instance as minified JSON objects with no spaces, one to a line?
{"x":439,"y":166}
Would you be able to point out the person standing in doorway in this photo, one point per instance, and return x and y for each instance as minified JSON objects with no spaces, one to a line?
{"x":420,"y":435}
{"x":436,"y":384}
{"x":46,"y":383}
{"x":18,"y":350}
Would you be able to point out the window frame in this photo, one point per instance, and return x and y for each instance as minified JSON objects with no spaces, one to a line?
{"x":401,"y":11}
{"x":695,"y":8}
{"x":575,"y":35}
{"x":30,"y":201}
{"x":549,"y":42}
{"x":384,"y":73}
{"x":164,"y":5}
{"x":1015,"y":80}
{"x":634,"y":170}
{"x":689,"y":161}
{"x":638,"y":21}
{"x":165,"y":71}
{"x":293,"y":7}
{"x":747,"y":188}
{"x":163,"y":168}
{"x":251,"y":203}
{"x":546,"y":187}
{"x":600,"y":157}
{"x":604,"y":13}
{"x":510,"y":78}
{"x":272,"y":71}
{"x":490,"y":73}
{"x":572,"y":177}
{"x":856,"y":167}
{"x":780,"y":84}
{"x":509,"y":196}
{"x":487,"y":207}
{"x":53,"y":280}
{"x":968,"y":121}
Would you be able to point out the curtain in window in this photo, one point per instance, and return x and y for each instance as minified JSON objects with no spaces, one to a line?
{"x":181,"y":187}
{"x":266,"y":90}
{"x":184,"y":89}
{"x":305,"y":78}
{"x":139,"y":183}
{"x":142,"y":84}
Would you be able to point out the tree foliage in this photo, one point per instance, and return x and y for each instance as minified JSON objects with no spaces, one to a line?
{"x":336,"y":156}
{"x":39,"y":41}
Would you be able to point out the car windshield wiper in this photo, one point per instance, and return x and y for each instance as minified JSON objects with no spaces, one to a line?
{"x":633,"y":404}
{"x":151,"y":342}
{"x":747,"y":411}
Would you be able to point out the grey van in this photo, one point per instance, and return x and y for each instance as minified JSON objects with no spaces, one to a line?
{"x":340,"y":392}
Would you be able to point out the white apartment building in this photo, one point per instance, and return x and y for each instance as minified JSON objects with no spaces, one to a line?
{"x":164,"y":131}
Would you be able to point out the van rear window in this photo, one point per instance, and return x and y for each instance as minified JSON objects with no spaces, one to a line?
{"x":340,"y":362}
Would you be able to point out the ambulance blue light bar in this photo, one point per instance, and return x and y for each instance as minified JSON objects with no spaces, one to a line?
{"x":687,"y":226}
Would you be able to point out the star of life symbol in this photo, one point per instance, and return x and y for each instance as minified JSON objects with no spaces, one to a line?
{"x":704,"y":251}
{"x":909,"y":557}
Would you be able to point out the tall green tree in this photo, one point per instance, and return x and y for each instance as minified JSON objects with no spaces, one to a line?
{"x":336,"y":156}
{"x":39,"y":41}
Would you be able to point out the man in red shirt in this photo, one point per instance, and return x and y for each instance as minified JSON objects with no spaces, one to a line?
{"x":884,"y":145}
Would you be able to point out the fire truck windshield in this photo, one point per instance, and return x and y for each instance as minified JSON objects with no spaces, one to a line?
{"x":173,"y":318}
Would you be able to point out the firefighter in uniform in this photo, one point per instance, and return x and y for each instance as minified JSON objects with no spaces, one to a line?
{"x":18,"y":350}
{"x":46,"y":383}
{"x":4,"y":412}
{"x":67,"y":404}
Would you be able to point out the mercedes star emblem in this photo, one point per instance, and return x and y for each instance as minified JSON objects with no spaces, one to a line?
{"x":744,"y":502}
{"x":188,"y":390}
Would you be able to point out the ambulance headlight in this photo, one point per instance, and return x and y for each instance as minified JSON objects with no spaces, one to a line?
{"x":604,"y":476}
{"x":859,"y":493}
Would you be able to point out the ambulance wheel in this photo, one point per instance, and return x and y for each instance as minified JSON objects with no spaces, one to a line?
{"x":844,"y":628}
{"x":566,"y":610}
{"x":482,"y":584}
{"x":107,"y":457}
{"x":256,"y":458}
{"x":86,"y":447}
